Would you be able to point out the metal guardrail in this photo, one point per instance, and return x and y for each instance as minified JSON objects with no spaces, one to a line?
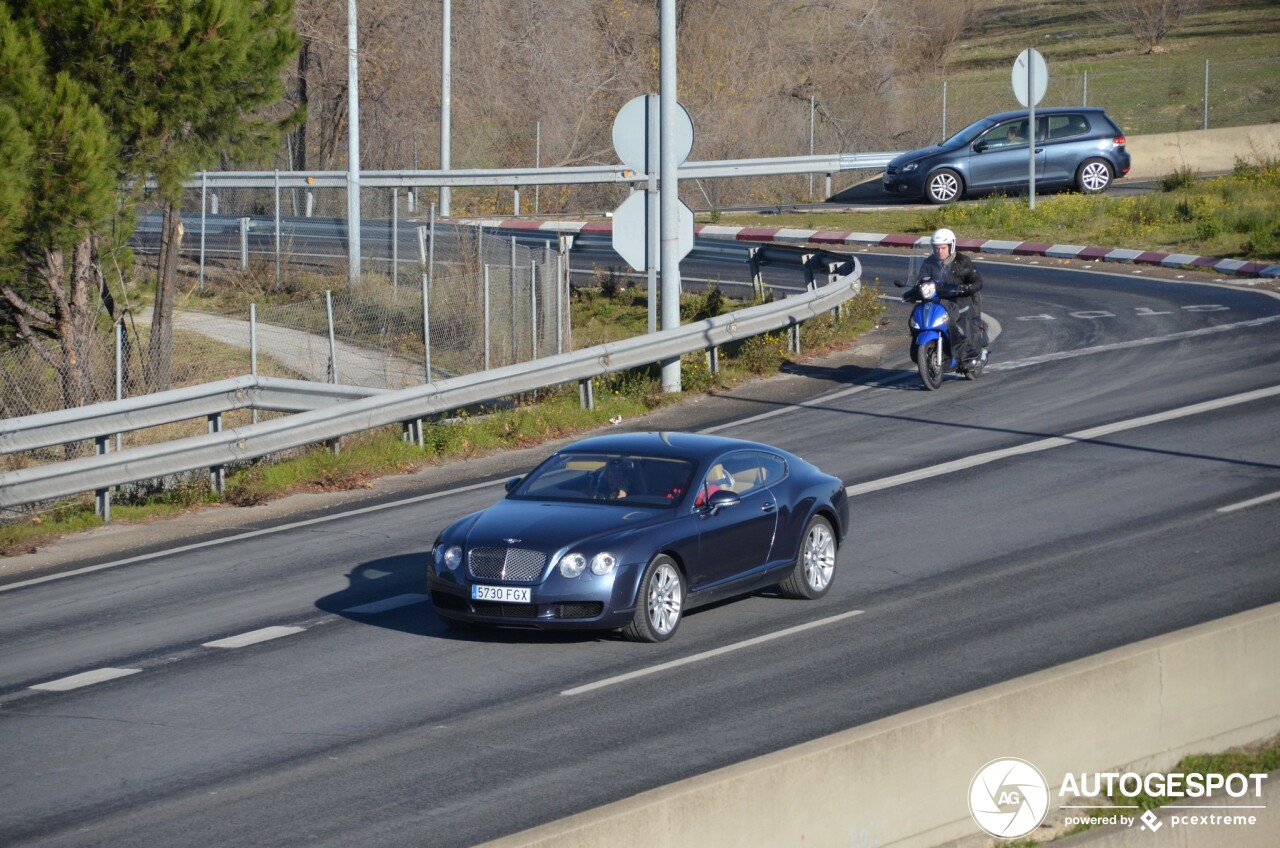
{"x":569,"y":175}
{"x":87,"y":423}
{"x":333,"y":421}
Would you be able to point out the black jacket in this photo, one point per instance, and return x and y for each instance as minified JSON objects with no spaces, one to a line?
{"x":962,"y":274}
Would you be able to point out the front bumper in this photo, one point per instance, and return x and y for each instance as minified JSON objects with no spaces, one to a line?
{"x":911,"y":184}
{"x":555,"y":605}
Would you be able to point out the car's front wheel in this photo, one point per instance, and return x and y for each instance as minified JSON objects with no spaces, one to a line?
{"x":660,"y":602}
{"x":1093,"y":176}
{"x":815,"y":565}
{"x":944,"y":186}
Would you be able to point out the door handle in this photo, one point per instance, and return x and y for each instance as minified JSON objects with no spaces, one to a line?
{"x":768,"y":506}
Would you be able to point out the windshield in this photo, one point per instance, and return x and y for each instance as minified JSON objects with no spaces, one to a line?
{"x":621,"y":479}
{"x":969,"y":133}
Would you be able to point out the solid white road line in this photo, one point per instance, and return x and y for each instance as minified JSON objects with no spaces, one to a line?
{"x":1253,"y":502}
{"x":1057,"y":442}
{"x":706,"y":655}
{"x":323,"y":519}
{"x":87,"y":678}
{"x":253,"y":637}
{"x":386,"y":604}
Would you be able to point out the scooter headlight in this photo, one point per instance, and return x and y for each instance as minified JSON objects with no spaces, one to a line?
{"x":928,"y":290}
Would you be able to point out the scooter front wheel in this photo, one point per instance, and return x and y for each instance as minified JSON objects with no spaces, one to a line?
{"x":929,"y":361}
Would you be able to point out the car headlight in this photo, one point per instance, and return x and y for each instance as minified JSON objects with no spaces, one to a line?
{"x":906,"y":169}
{"x":452,"y":557}
{"x":571,"y":565}
{"x":603,"y":563}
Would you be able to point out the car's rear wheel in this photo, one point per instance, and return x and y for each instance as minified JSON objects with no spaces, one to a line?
{"x":944,"y":186}
{"x":816,"y":563}
{"x":1093,"y":176}
{"x":660,"y":603}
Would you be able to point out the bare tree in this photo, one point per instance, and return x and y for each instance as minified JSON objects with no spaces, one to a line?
{"x":1149,"y":21}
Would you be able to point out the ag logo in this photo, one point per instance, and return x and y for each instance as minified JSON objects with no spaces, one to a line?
{"x":1008,"y":798}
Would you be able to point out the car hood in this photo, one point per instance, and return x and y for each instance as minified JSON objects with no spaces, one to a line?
{"x":551,"y":525}
{"x":913,"y":155}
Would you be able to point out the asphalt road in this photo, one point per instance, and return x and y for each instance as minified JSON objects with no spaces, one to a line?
{"x":1110,"y":478}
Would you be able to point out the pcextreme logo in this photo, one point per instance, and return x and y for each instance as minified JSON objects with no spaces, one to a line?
{"x":1008,"y":798}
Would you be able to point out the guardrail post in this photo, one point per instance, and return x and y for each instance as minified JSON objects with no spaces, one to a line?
{"x":795,"y":339}
{"x":586,"y":394}
{"x":713,"y":357}
{"x":217,"y":474}
{"x":413,"y":432}
{"x":757,"y":280}
{"x":828,"y":188}
{"x":515,"y":201}
{"x":102,"y":497}
{"x":807,"y":260}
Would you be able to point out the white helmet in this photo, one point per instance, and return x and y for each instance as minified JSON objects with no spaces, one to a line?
{"x":943,"y":236}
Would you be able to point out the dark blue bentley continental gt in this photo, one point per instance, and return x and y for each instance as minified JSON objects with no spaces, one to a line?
{"x":629,"y":531}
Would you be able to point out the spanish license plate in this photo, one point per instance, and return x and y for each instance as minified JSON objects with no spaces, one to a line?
{"x":501,"y":594}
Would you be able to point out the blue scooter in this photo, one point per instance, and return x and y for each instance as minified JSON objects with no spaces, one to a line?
{"x":930,"y":326}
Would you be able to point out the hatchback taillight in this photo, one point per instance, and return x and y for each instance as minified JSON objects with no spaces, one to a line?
{"x":1119,"y":141}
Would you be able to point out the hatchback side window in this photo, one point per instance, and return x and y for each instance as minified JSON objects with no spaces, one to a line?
{"x":1067,"y":126}
{"x":1007,"y":134}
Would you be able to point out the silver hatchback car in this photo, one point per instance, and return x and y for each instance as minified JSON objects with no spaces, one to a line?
{"x":1077,"y":147}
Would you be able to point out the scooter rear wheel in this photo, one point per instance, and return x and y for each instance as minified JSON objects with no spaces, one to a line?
{"x":929,"y":361}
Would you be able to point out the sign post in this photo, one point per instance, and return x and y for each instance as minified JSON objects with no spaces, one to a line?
{"x":637,"y":222}
{"x":1030,"y":78}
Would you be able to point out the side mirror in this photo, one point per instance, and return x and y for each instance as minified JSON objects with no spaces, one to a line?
{"x":980,"y":146}
{"x":721,"y":499}
{"x":512,"y":483}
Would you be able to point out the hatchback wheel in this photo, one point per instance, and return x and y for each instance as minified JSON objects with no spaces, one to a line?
{"x":1093,"y":176}
{"x":660,"y":603}
{"x":944,"y":186}
{"x":815,"y":565}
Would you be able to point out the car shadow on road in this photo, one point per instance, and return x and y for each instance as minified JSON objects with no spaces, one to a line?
{"x":391,"y":593}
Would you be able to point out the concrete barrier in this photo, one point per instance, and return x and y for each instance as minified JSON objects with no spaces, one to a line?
{"x":1203,"y":151}
{"x":903,"y":781}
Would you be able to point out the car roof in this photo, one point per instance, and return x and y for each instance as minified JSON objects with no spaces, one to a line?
{"x":673,"y":444}
{"x":1048,"y":110}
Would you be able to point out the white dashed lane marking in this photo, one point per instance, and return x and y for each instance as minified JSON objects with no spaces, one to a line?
{"x":87,"y":678}
{"x":253,"y":637}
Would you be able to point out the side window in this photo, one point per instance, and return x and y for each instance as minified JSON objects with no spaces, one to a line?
{"x":1007,"y":134}
{"x":772,"y":469}
{"x":1066,"y":126}
{"x":738,"y":472}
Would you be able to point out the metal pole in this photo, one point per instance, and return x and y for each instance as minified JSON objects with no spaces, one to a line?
{"x":426,"y":304}
{"x":333,"y":344}
{"x":670,"y":189}
{"x":446,"y":36}
{"x":652,"y":206}
{"x":431,"y":247}
{"x":119,"y":372}
{"x":944,"y":110}
{"x":537,"y":163}
{"x":486,"y":317}
{"x":253,"y":347}
{"x":533,"y":307}
{"x":812,"y":118}
{"x":1206,"y":94}
{"x":353,"y":149}
{"x":395,"y":242}
{"x":1031,"y":131}
{"x":204,"y":187}
{"x":511,"y":273}
{"x":1084,"y":101}
{"x":277,"y":194}
{"x":559,"y":307}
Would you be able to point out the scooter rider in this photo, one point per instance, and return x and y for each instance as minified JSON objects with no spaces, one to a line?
{"x":958,"y":281}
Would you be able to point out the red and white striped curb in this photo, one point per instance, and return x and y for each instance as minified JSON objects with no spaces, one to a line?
{"x":1233,"y":267}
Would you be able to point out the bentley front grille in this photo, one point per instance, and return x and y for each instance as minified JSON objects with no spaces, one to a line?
{"x":505,"y":564}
